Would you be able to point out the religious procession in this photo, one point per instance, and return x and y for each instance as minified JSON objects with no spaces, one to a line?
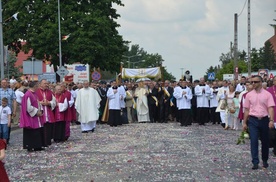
{"x":46,"y":111}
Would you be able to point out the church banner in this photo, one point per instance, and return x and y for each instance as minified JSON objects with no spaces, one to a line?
{"x":141,"y":73}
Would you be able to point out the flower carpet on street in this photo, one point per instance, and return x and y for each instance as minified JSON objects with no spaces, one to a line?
{"x":139,"y":152}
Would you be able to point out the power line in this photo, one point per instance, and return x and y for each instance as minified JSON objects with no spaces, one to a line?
{"x":242,"y":8}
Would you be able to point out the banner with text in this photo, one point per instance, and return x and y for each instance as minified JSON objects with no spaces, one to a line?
{"x":79,"y":72}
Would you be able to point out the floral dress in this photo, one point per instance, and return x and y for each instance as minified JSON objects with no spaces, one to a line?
{"x":230,"y":102}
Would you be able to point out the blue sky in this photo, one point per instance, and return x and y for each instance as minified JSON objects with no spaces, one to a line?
{"x":192,"y":34}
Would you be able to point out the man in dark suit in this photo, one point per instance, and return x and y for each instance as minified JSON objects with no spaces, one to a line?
{"x":153,"y":102}
{"x":102,"y":92}
{"x":193,"y":102}
{"x":174,"y":109}
{"x":168,"y":94}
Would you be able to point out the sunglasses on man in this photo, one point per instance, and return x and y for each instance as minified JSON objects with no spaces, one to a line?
{"x":255,"y":82}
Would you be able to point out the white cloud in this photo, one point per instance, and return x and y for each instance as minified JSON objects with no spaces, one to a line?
{"x":161,"y":11}
{"x":192,"y":34}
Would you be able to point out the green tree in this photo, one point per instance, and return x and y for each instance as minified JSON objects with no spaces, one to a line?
{"x":228,"y":68}
{"x":242,"y":55}
{"x":133,"y":55}
{"x":256,"y":62}
{"x":94,"y":38}
{"x":10,"y":69}
{"x":212,"y":69}
{"x":138,"y":55}
{"x":225,"y":58}
{"x":267,"y":56}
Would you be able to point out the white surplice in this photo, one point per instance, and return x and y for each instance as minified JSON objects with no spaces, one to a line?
{"x":183,"y":100}
{"x":202,"y":97}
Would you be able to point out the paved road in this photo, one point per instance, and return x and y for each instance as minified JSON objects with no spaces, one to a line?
{"x":139,"y":152}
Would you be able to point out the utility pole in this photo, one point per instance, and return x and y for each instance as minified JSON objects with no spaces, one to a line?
{"x":235,"y":46}
{"x":249,"y":39}
{"x":59,"y":37}
{"x":6,"y":58}
{"x":1,"y":43}
{"x":231,"y":50}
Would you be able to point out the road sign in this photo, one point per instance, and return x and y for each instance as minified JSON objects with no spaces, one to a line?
{"x":262,"y":72}
{"x":211,"y":76}
{"x":62,"y":71}
{"x":50,"y":77}
{"x":228,"y":77}
{"x":96,"y":75}
{"x":32,"y":67}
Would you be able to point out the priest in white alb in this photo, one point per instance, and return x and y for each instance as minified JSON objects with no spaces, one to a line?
{"x":142,"y":108}
{"x":87,"y":105}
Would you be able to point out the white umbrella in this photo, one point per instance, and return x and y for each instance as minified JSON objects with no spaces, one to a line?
{"x":142,"y":79}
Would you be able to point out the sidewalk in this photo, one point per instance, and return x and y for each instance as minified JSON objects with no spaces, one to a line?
{"x":14,"y":127}
{"x":139,"y":152}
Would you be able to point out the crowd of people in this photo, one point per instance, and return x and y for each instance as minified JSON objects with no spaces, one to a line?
{"x":46,"y":110}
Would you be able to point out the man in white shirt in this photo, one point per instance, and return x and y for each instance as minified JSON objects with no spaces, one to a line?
{"x":241,"y":86}
{"x":12,"y":80}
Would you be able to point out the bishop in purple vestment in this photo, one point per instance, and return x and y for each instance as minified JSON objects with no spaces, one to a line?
{"x":31,"y":120}
{"x":48,"y":102}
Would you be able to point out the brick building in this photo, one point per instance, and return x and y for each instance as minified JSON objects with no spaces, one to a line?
{"x":273,"y":39}
{"x":21,"y":57}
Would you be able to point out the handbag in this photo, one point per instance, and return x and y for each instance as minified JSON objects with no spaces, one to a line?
{"x":232,"y":110}
{"x":223,"y":105}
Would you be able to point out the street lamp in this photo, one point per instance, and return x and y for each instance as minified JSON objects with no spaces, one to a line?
{"x":133,"y":63}
{"x":129,"y":57}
